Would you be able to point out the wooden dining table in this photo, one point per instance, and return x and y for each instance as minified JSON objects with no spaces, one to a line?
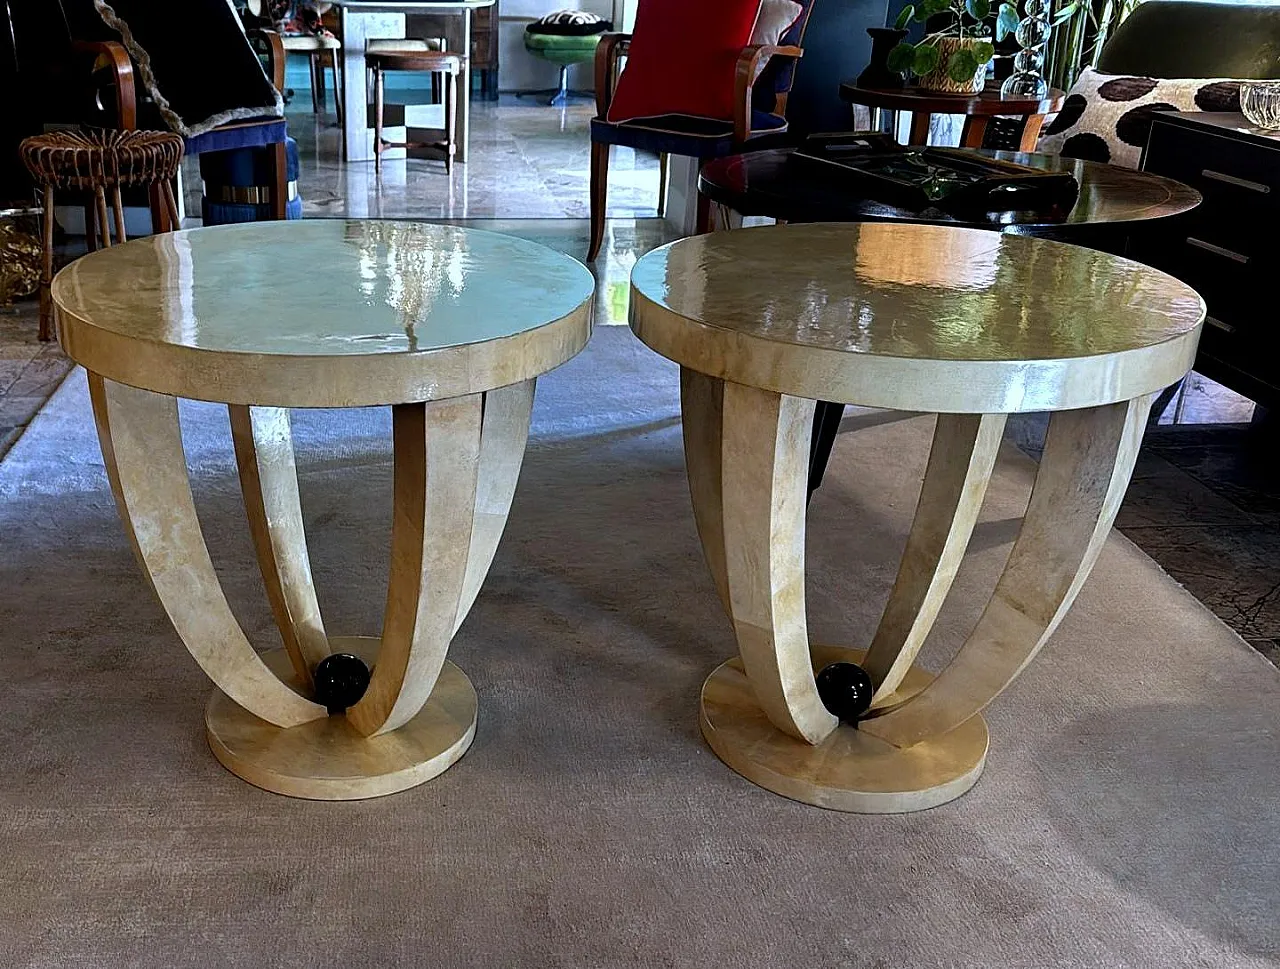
{"x":363,"y":20}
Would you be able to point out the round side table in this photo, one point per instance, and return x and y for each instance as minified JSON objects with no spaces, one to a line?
{"x":978,"y":110}
{"x":450,"y":327}
{"x":1114,"y":204}
{"x":971,"y":325}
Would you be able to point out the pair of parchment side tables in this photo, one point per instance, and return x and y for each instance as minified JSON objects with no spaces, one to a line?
{"x":451,"y":327}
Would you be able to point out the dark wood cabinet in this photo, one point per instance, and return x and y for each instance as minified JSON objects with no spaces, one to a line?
{"x":1227,"y":248}
{"x":484,"y":50}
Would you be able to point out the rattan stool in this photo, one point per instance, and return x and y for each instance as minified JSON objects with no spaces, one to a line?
{"x":387,"y":55}
{"x":95,"y":162}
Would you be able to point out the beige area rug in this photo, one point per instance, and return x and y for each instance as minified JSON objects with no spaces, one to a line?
{"x":1128,"y":816}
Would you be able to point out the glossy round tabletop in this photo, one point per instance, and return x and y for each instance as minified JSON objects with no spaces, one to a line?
{"x":324,"y":313}
{"x":916,"y":317}
{"x":1111,"y":198}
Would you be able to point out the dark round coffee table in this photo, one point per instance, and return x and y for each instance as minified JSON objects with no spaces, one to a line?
{"x":1113,"y":202}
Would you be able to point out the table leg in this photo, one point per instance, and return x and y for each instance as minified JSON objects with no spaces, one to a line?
{"x":961,"y":460}
{"x":923,"y":744}
{"x":464,"y":100}
{"x":456,"y":464}
{"x":1031,"y":132}
{"x":919,"y":128}
{"x":1084,"y":472}
{"x":974,"y":131}
{"x":826,"y":425}
{"x":142,"y":449}
{"x":46,"y":265}
{"x":280,"y":181}
{"x":263,"y":441}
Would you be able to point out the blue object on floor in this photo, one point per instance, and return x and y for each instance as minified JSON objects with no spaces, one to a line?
{"x":237,"y":184}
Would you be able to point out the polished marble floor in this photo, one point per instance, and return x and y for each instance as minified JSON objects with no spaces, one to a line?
{"x":1205,"y":500}
{"x":528,"y":161}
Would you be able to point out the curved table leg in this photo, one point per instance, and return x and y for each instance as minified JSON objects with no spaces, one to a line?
{"x":269,"y":480}
{"x":142,"y":448}
{"x":955,"y":482}
{"x":702,"y":410}
{"x":456,"y":465}
{"x":753,"y":534}
{"x":437,"y":458}
{"x":765,"y":441}
{"x":1084,"y":473}
{"x":503,"y":436}
{"x":924,"y":745}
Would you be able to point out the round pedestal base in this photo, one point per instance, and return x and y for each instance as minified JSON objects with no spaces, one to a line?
{"x":850,"y":770}
{"x":327,"y":759}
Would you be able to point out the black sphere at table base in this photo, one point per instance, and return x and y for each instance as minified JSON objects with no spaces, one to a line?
{"x":845,"y":690}
{"x":340,"y":680}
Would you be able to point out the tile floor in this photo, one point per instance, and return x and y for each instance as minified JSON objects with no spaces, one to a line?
{"x":1205,"y":500}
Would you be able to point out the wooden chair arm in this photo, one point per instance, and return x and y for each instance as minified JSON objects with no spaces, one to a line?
{"x":111,"y":57}
{"x":274,"y":48}
{"x":609,"y":50}
{"x":750,"y":62}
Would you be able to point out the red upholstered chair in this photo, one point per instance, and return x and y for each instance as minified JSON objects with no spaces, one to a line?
{"x":751,"y":116}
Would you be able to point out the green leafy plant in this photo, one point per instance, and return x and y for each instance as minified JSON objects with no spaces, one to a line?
{"x":967,"y":19}
{"x":1078,"y":44}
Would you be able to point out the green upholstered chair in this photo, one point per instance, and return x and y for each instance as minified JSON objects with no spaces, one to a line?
{"x":1187,"y":38}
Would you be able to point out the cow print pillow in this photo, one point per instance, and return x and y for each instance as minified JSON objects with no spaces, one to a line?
{"x":1107,"y":117}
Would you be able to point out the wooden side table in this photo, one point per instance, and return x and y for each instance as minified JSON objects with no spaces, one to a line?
{"x":431,"y":320}
{"x":968,"y":324}
{"x":978,"y":110}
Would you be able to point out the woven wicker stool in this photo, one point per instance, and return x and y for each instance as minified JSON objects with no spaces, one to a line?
{"x":95,"y":162}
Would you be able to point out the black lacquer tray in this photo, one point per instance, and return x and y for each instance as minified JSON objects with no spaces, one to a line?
{"x":917,"y":178}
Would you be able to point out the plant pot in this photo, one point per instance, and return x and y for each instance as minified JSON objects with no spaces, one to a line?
{"x":938,"y":80}
{"x":877,"y":74}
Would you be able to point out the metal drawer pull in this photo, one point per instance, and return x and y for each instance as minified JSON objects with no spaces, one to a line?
{"x":1216,"y":250}
{"x":1217,"y":324}
{"x":1237,"y":182}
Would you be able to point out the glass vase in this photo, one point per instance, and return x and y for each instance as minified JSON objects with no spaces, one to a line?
{"x":1260,"y":103}
{"x":1032,"y":35}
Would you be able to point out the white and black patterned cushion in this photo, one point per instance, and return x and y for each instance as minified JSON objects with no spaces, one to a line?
{"x":1107,"y":117}
{"x":570,"y":23}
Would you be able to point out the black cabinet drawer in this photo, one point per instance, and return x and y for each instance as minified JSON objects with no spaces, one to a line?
{"x":1226,"y":249}
{"x":1229,"y":174}
{"x":1228,"y":273}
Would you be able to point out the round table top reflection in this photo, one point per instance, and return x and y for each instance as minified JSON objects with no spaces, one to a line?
{"x":1111,"y":199}
{"x":324,"y":313}
{"x":916,"y":317}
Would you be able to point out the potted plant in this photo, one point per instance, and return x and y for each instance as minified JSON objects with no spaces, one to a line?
{"x":952,"y":60}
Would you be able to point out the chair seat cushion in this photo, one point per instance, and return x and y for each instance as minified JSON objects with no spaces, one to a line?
{"x":695,"y":137}
{"x":402,"y":44}
{"x":246,"y":134}
{"x":570,"y":23}
{"x":683,"y":59}
{"x":309,"y":43}
{"x":1107,"y":118}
